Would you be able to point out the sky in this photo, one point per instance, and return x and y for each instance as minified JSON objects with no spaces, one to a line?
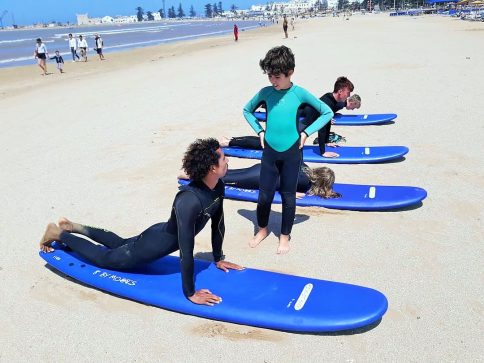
{"x":27,"y":12}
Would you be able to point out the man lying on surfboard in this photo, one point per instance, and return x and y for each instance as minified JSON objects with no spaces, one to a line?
{"x":201,"y":200}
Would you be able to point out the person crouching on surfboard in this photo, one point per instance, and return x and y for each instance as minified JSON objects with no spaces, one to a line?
{"x":336,"y":100}
{"x":201,"y":200}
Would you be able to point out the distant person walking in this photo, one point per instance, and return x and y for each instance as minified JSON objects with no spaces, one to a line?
{"x":59,"y":60}
{"x":41,"y":55}
{"x":99,"y":44}
{"x":236,"y":32}
{"x":73,"y":46}
{"x":83,"y":47}
{"x":284,"y":25}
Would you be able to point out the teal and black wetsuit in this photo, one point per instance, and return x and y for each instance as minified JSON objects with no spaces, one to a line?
{"x":281,"y":158}
{"x":194,"y":205}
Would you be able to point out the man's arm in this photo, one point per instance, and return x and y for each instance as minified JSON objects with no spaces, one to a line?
{"x":322,"y":108}
{"x":218,"y":232}
{"x":187,"y":207}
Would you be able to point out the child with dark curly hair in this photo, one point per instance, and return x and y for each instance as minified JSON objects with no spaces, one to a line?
{"x":281,"y":141}
{"x":194,"y":205}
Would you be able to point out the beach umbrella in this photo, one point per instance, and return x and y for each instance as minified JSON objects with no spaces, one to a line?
{"x":462,"y":2}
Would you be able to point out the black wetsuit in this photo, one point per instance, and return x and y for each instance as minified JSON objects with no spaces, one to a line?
{"x":310,"y":115}
{"x":193,"y":206}
{"x":246,"y":142}
{"x":248,"y":178}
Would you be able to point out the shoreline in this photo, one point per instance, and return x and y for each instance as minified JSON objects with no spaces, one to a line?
{"x":165,"y":20}
{"x":17,"y":79}
{"x":23,"y":59}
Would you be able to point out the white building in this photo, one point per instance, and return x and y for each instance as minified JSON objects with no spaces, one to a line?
{"x":107,"y":19}
{"x":125,"y":19}
{"x":291,"y":7}
{"x":82,"y":19}
{"x":300,"y":6}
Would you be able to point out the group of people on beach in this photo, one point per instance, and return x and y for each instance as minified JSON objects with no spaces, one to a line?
{"x":75,"y":45}
{"x":205,"y":164}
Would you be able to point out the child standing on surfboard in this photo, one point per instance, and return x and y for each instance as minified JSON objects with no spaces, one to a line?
{"x":281,"y":141}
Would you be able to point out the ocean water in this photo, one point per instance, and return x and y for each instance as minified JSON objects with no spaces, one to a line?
{"x":17,"y":46}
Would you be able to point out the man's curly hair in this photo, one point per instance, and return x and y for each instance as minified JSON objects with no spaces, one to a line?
{"x":200,"y":156}
{"x":278,"y":60}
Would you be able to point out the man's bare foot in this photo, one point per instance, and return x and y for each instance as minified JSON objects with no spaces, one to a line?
{"x":259,"y":237}
{"x":65,"y":224}
{"x":224,"y":141}
{"x":330,"y":154}
{"x":51,"y":234}
{"x":283,"y":244}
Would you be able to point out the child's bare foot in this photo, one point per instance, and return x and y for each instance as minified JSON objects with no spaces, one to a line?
{"x":51,"y":234}
{"x":65,"y":224}
{"x":283,"y":244}
{"x":330,"y":154}
{"x":259,"y":237}
{"x":224,"y":141}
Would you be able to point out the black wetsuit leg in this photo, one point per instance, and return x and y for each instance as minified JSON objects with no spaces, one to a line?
{"x":152,"y":244}
{"x":288,"y":186}
{"x":284,"y":165}
{"x":246,"y":178}
{"x":246,"y":142}
{"x":103,"y":236}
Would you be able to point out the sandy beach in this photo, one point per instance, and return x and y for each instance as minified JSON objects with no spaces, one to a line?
{"x":102,"y":145}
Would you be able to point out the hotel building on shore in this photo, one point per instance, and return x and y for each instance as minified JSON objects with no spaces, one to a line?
{"x":291,"y":7}
{"x":84,"y":19}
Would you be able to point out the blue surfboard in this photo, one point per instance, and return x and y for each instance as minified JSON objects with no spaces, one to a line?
{"x":351,"y":120}
{"x":354,"y":197}
{"x":250,"y":297}
{"x":366,"y":119}
{"x":347,"y":154}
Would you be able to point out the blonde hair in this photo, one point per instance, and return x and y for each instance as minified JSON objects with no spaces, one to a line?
{"x":322,"y":180}
{"x":356,"y":99}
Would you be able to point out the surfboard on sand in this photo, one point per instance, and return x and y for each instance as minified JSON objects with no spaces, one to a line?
{"x":347,"y":154}
{"x":354,"y":197}
{"x":250,"y":297}
{"x":363,"y":120}
{"x":351,"y":120}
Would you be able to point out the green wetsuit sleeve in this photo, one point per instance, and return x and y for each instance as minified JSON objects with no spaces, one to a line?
{"x":250,"y":107}
{"x":325,"y":112}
